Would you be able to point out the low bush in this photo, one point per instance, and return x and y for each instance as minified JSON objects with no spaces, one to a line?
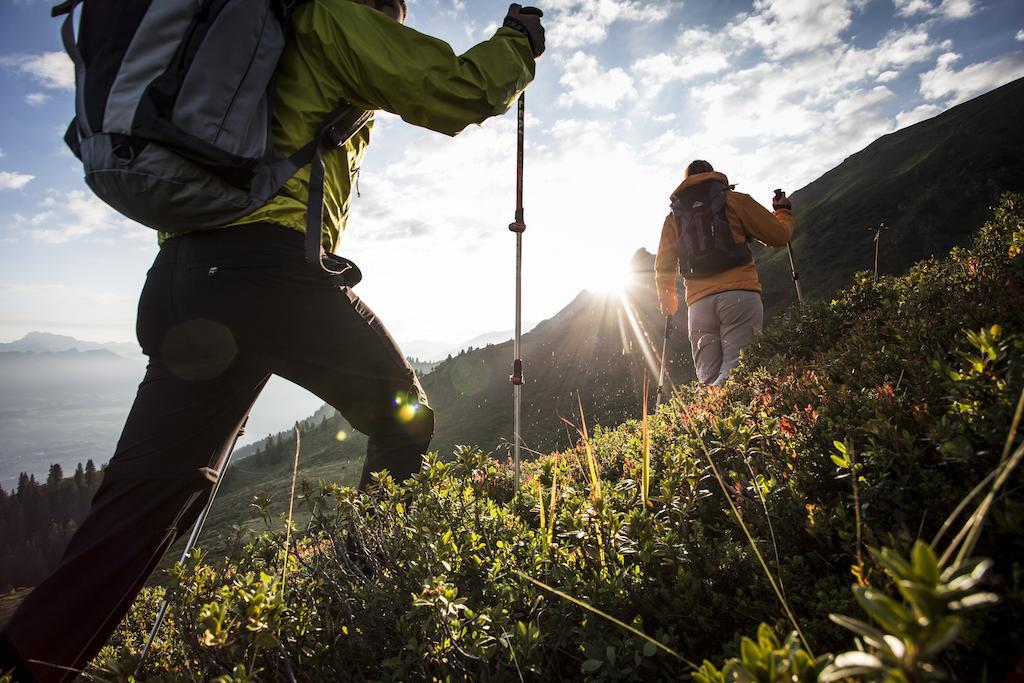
{"x":849,"y":434}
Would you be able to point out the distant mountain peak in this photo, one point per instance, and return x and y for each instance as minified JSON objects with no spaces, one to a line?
{"x":48,"y":342}
{"x":48,"y":337}
{"x":641,"y":261}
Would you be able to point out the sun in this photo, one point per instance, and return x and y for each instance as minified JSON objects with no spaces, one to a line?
{"x":610,"y":277}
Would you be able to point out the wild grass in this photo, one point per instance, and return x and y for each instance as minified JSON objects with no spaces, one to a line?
{"x":623,"y":552}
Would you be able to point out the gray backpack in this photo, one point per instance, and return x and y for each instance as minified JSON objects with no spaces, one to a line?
{"x":173,"y":104}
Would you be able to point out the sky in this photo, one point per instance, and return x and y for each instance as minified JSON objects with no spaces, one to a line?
{"x":772,"y":92}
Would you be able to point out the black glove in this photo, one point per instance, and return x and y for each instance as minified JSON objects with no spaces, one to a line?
{"x":526,"y":20}
{"x":781,"y":201}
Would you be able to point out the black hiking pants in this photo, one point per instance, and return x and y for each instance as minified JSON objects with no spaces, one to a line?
{"x":220,"y":312}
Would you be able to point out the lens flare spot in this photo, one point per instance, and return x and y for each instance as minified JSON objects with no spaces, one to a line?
{"x":341,"y":435}
{"x":408,"y":412}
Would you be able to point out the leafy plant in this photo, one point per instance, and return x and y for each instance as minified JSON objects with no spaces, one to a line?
{"x":766,"y":661}
{"x":911,"y":634}
{"x":667,"y":533}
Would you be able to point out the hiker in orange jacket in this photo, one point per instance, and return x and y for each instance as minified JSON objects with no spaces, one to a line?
{"x":705,"y":238}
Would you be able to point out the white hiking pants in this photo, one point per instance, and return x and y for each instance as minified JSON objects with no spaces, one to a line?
{"x":720,"y":326}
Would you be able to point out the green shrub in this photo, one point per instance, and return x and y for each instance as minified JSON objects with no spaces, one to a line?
{"x":914,"y":377}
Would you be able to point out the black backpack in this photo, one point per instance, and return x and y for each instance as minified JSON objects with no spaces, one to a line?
{"x":706,"y":243}
{"x":173,"y":103}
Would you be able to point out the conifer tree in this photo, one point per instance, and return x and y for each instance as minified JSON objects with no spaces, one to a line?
{"x":55,"y":476}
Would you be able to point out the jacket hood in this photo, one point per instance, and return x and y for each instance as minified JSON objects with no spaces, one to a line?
{"x":698,"y":178}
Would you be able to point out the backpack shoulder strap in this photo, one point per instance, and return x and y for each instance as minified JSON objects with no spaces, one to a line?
{"x":67,"y":35}
{"x":63,"y":8}
{"x":335,"y":130}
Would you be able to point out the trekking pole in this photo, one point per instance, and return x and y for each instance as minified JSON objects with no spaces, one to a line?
{"x":796,"y":275}
{"x":518,"y":227}
{"x":664,"y":350}
{"x":192,"y":538}
{"x":878,"y":239}
{"x":792,"y":261}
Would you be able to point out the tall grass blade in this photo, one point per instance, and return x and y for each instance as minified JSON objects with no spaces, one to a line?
{"x":953,"y":516}
{"x":540,"y":504}
{"x":592,"y":468}
{"x":971,"y":530}
{"x":645,"y":477}
{"x":753,"y":546}
{"x":551,"y":510}
{"x":977,"y":520}
{"x":593,"y":472}
{"x":1014,"y":426}
{"x":605,"y":615}
{"x":856,"y":507}
{"x":291,"y":509}
{"x":1011,"y":436}
{"x":771,"y":528}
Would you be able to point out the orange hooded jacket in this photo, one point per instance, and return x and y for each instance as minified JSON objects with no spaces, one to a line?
{"x":748,"y":220}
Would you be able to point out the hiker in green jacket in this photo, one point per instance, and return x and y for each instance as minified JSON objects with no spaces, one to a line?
{"x":223,"y":309}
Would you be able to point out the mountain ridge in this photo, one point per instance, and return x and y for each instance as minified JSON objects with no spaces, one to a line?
{"x":932,"y":183}
{"x":48,"y":342}
{"x":470,"y":393}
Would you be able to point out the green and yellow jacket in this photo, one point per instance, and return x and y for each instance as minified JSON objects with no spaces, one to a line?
{"x":342,"y":50}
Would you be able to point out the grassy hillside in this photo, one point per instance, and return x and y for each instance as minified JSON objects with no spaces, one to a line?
{"x":590,"y":347}
{"x":831,"y":460}
{"x":932,"y":183}
{"x":589,"y":351}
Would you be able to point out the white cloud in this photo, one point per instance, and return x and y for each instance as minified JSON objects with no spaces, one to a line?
{"x":70,"y":215}
{"x":916,"y":115}
{"x":775,"y":97}
{"x":14,"y":181}
{"x":2,"y":153}
{"x":908,"y":8}
{"x":575,"y":23}
{"x":946,"y":81}
{"x":693,"y":55}
{"x":957,"y":9}
{"x":950,"y":9}
{"x":790,"y":97}
{"x":898,"y":50}
{"x":788,"y":27}
{"x":591,"y":86}
{"x":1019,"y":36}
{"x":51,"y":70}
{"x":36,"y":98}
{"x":783,"y":123}
{"x":859,"y":116}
